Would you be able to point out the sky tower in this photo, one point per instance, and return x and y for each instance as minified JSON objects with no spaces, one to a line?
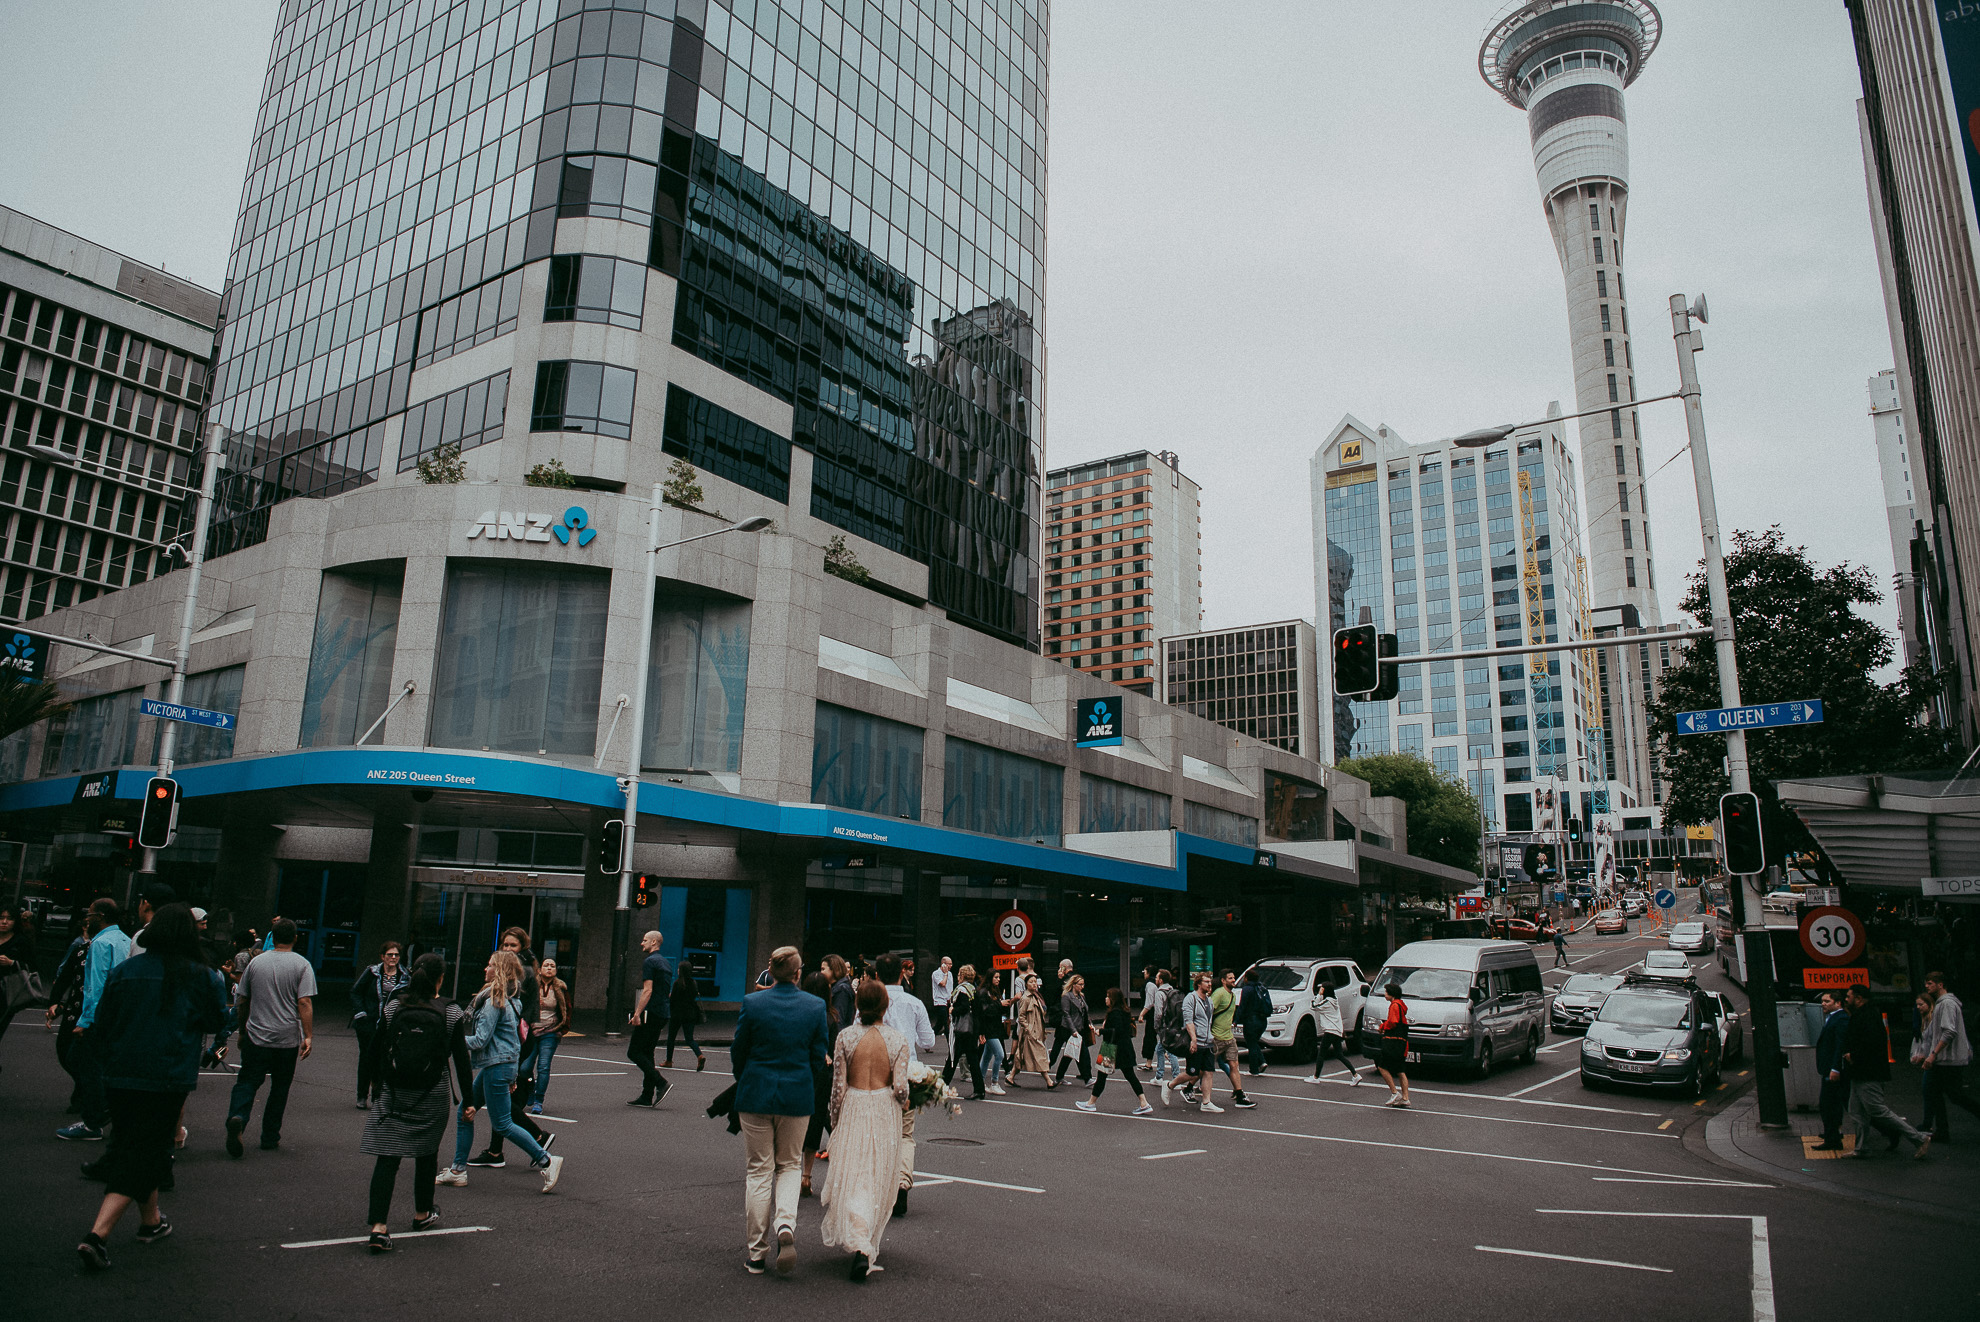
{"x":1566,"y":63}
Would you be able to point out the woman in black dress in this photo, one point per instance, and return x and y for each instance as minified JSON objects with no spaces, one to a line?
{"x":683,"y":1013}
{"x":410,"y":1120}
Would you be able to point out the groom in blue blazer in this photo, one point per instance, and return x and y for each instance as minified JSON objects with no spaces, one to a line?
{"x":781,"y":1045}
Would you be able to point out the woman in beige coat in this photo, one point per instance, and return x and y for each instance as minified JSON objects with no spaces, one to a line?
{"x":1028,"y":1047}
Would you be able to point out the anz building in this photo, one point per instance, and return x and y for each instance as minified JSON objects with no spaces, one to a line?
{"x":501,"y":266}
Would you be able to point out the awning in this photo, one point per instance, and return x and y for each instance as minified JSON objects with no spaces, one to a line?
{"x":1891,"y":830}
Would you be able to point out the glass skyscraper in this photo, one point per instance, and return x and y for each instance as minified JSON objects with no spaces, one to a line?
{"x":844,"y":198}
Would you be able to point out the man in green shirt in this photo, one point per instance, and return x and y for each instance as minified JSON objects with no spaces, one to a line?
{"x":1223,"y":1037}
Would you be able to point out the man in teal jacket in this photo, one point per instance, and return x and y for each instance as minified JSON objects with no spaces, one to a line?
{"x":781,"y":1044}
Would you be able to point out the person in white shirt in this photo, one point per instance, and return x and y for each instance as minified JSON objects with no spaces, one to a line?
{"x":907,"y":1016}
{"x":941,"y":986}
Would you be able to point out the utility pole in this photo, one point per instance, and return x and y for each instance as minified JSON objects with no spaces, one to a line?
{"x":168,"y":734}
{"x":1768,"y":1084}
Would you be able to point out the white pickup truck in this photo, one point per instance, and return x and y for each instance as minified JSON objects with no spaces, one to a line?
{"x":1295,"y":985}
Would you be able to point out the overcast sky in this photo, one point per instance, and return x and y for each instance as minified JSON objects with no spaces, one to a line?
{"x":1262,"y":216}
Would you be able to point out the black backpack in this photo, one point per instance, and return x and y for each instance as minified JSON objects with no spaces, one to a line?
{"x":416,"y":1049}
{"x":1175,"y":1035}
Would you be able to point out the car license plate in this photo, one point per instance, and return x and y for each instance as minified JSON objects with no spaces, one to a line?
{"x":1629,"y":1067}
{"x":1413,"y":1057}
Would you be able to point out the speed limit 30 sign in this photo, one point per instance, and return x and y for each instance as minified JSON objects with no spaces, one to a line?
{"x":1013,"y":931}
{"x":1832,"y":935}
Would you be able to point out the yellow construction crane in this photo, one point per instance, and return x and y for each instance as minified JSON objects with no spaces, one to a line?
{"x":1536,"y":617}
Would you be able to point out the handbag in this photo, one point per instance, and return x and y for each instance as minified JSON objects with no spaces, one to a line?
{"x":1071,"y":1050}
{"x":1108,"y":1055}
{"x":24,"y":988}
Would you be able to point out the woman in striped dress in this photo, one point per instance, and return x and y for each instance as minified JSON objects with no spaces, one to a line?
{"x":411,"y":1121}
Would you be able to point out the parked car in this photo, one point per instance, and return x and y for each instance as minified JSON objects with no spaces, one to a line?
{"x":1578,"y":999}
{"x":1517,"y":929}
{"x":1611,"y":920}
{"x":1732,"y":1029}
{"x":1471,"y":1003}
{"x":1692,"y":936}
{"x":1294,"y":985}
{"x":1665,"y":964}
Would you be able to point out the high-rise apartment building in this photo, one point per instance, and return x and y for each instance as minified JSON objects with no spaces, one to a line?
{"x":615,"y":234}
{"x":1566,"y":66}
{"x":1920,"y":67}
{"x":103,"y":372}
{"x":1901,"y":465}
{"x":1124,"y":564}
{"x":1262,"y":680}
{"x":1456,"y":550}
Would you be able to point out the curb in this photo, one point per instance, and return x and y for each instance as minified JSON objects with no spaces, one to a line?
{"x":1719,"y":1139}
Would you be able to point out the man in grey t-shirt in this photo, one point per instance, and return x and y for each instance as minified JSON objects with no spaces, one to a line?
{"x":276,"y":1019}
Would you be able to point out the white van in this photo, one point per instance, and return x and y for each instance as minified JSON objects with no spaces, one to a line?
{"x":1471,"y":1002}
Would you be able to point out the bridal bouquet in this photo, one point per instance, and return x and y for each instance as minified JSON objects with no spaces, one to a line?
{"x":926,"y":1089}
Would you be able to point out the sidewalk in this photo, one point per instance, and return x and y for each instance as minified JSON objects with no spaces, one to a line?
{"x":717,"y":1029}
{"x":1942,"y":1185}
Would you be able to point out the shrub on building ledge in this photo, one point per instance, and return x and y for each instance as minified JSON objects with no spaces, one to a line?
{"x":681,"y":488}
{"x":551,"y":474}
{"x":840,"y":560}
{"x":444,"y":466}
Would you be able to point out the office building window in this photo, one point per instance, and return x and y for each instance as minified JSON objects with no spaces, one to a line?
{"x":1445,"y":758}
{"x":475,"y":317}
{"x":610,"y":186}
{"x":468,"y":417}
{"x":1601,"y":284}
{"x":696,"y":694}
{"x":1598,"y":248}
{"x":1612,"y":387}
{"x":865,"y":763}
{"x":1622,"y":496}
{"x":350,"y":658}
{"x":1619,"y":461}
{"x":215,"y":690}
{"x":1594,"y":216}
{"x":1409,"y":738}
{"x":1627,"y":544}
{"x":95,"y":734}
{"x":1004,"y":794}
{"x":1219,"y":824}
{"x":592,"y":288}
{"x":522,"y":649}
{"x":1109,"y":805}
{"x":727,"y":445}
{"x":1605,"y":317}
{"x":1294,"y":809}
{"x":1629,"y":570}
{"x":586,"y":397}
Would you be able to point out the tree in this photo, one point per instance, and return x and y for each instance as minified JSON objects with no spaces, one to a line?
{"x":1443,"y":812}
{"x":681,"y":487}
{"x":22,"y":704}
{"x":1799,"y":637}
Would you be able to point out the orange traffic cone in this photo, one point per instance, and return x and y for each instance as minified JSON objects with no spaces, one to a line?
{"x":1888,"y":1053}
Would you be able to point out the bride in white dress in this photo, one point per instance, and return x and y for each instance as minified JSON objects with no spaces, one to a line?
{"x":869,"y":1092}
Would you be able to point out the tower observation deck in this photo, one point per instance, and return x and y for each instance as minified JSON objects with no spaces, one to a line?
{"x":1566,"y":63}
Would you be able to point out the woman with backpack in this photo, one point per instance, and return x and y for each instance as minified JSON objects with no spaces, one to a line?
{"x":684,"y":1005}
{"x":417,"y":1036}
{"x":1395,"y":1046}
{"x":553,"y":1017}
{"x":494,"y":1043}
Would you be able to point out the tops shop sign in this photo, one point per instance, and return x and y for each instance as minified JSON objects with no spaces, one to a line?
{"x":507,"y":526}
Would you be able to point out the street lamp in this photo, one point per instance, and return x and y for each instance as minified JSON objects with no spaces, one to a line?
{"x":1766,"y":1032}
{"x":615,"y":991}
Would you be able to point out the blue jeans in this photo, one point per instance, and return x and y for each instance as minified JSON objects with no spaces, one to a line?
{"x":993,"y":1060}
{"x":546,"y":1051}
{"x":491,"y":1093}
{"x":1167,"y":1063}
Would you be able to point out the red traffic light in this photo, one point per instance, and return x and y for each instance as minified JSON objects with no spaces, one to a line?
{"x":159,"y":818}
{"x":1357,"y":660}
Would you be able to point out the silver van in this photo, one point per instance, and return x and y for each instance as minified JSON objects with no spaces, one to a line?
{"x":1471,"y":1002}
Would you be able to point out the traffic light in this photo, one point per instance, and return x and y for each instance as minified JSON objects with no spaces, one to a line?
{"x":1574,"y":830}
{"x":1357,"y":661}
{"x":612,"y":847}
{"x":643,"y":891}
{"x":1739,"y":827}
{"x":159,"y":818}
{"x":1390,"y":683}
{"x":129,"y":854}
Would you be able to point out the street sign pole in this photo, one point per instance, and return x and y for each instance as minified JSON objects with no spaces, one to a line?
{"x":1768,"y":1083}
{"x":175,"y":693}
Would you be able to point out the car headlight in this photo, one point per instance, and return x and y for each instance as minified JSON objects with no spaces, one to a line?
{"x":1678,"y":1053}
{"x":1590,"y":1047}
{"x":1454,"y":1030}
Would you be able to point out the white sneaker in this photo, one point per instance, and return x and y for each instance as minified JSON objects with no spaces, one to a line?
{"x":1144,"y":1108}
{"x":1316,"y":1079}
{"x":1354,"y":1078}
{"x":1165,"y":1092}
{"x":1211,"y":1108}
{"x":551,"y":1170}
{"x":1085,"y":1105}
{"x":994,"y":1089}
{"x":451,"y":1175}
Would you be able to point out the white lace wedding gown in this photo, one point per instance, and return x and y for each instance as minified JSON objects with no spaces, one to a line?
{"x":866,"y":1143}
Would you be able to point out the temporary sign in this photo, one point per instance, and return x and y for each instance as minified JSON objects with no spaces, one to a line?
{"x":1834,"y":979}
{"x":1005,"y":961}
{"x":1832,"y":935}
{"x":1013,"y":930}
{"x":1099,"y":723}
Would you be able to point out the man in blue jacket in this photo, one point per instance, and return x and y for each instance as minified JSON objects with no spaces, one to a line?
{"x":781,"y":1045}
{"x":1830,"y":1046}
{"x":1254,"y":1016}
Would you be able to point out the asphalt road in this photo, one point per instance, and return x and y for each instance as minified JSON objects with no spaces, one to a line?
{"x":1517,"y":1197}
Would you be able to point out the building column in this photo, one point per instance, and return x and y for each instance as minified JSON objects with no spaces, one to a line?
{"x":245,"y":875}
{"x":776,"y":912}
{"x":388,"y":897}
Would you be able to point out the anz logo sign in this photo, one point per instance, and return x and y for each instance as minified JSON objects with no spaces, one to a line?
{"x":505,"y":526}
